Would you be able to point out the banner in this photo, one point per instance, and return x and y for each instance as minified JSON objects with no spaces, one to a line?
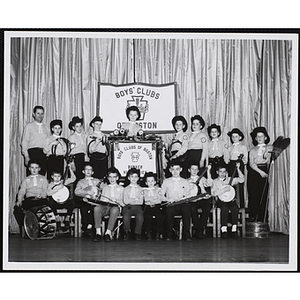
{"x":156,"y":103}
{"x":141,"y":156}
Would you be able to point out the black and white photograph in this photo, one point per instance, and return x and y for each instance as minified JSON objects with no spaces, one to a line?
{"x":154,"y":151}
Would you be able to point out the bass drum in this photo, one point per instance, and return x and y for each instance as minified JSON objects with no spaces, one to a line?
{"x":39,"y":223}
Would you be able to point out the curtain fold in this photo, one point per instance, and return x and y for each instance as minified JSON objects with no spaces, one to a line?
{"x":234,"y":83}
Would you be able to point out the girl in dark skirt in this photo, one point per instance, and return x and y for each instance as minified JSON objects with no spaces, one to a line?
{"x":78,"y":139}
{"x":55,"y":149}
{"x":198,"y":143}
{"x":237,"y":153}
{"x":179,"y":144}
{"x":217,"y":149}
{"x":258,"y":168}
{"x":97,"y":148}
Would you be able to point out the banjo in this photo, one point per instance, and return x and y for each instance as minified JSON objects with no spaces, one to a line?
{"x":62,"y":195}
{"x":229,"y":195}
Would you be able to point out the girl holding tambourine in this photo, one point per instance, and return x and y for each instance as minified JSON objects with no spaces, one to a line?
{"x":97,"y":148}
{"x":55,"y":149}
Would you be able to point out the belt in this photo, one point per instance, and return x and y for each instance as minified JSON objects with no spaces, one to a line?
{"x":106,"y":203}
{"x":153,"y":205}
{"x":262,"y":165}
{"x":132,"y":205}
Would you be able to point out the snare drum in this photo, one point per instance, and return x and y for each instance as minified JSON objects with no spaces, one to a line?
{"x":39,"y":223}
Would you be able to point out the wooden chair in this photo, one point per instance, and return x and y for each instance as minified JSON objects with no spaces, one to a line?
{"x":241,"y":216}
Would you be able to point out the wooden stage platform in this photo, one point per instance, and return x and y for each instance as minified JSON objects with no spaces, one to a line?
{"x":272,"y":250}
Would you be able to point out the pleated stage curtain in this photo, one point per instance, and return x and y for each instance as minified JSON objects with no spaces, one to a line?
{"x":234,"y":83}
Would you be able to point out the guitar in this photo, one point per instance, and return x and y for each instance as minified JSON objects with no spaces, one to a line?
{"x":229,"y":195}
{"x":62,"y":195}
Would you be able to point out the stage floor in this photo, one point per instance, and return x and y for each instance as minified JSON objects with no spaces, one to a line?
{"x":274,"y":249}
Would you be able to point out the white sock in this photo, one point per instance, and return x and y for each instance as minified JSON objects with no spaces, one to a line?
{"x":234,"y":227}
{"x":89,"y":226}
{"x":224,"y":228}
{"x":98,"y":231}
{"x":108,"y":232}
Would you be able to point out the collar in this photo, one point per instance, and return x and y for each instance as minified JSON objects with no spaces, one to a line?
{"x":194,"y":177}
{"x":222,"y":179}
{"x":78,"y":133}
{"x":261,"y":145}
{"x":113,"y":185}
{"x":196,"y":131}
{"x":56,"y":136}
{"x":135,"y":186}
{"x":215,"y":139}
{"x":40,"y":124}
{"x":178,"y":132}
{"x":176,"y":178}
{"x":33,"y":176}
{"x":235,"y":144}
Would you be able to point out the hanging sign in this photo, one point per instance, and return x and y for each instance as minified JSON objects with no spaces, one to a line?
{"x":156,"y":103}
{"x":141,"y":156}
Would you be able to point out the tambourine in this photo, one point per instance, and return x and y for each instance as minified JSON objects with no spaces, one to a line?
{"x":98,"y":155}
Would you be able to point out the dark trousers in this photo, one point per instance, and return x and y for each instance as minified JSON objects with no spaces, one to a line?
{"x":214,"y":163}
{"x":225,"y":208}
{"x":39,"y":155}
{"x":99,"y":166}
{"x":205,"y":205}
{"x":55,"y":163}
{"x":86,"y":211}
{"x":240,"y":187}
{"x":133,"y":210}
{"x":79,"y":165}
{"x":194,"y":155}
{"x":159,"y":214}
{"x":69,"y":205}
{"x":31,"y":202}
{"x":180,"y":209}
{"x":257,"y":193}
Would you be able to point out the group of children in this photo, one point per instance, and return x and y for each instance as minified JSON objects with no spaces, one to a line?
{"x":195,"y":160}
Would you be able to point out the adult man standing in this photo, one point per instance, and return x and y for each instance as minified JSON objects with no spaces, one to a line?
{"x":33,"y":139}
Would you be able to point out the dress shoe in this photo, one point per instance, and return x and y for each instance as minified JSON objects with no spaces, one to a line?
{"x":67,"y":224}
{"x":159,"y":236}
{"x":200,"y":235}
{"x":137,"y":237}
{"x":97,"y":238}
{"x":187,"y":236}
{"x":107,"y":238}
{"x":87,"y":233}
{"x":126,"y":236}
{"x":234,"y":234}
{"x":224,"y":235}
{"x":169,"y":237}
